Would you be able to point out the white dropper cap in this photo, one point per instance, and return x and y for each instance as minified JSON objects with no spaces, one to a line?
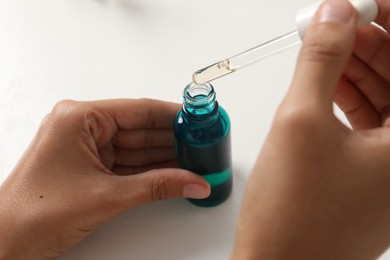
{"x":366,"y":10}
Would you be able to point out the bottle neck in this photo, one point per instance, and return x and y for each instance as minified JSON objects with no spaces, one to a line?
{"x":199,"y":101}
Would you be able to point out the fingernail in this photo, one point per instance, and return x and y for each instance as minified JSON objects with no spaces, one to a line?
{"x":195,"y":191}
{"x":336,"y":11}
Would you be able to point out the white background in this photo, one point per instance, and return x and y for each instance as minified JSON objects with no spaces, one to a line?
{"x":100,"y":49}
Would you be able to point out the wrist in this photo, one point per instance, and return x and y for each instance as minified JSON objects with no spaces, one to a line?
{"x":8,"y":233}
{"x":15,"y":242}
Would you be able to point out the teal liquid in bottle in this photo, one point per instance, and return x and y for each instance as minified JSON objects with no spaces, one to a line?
{"x":203,"y":146}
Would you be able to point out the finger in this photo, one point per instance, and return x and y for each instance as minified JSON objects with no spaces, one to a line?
{"x":107,"y":155}
{"x":139,"y":113}
{"x":373,"y":47}
{"x":383,"y":17}
{"x":129,"y":170}
{"x":358,"y":110}
{"x":324,"y":54}
{"x":141,"y":157}
{"x":144,"y":138}
{"x":370,"y":84}
{"x":158,"y":185}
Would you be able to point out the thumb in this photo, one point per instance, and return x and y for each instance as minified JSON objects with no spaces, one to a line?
{"x":160,"y":184}
{"x":326,"y":49}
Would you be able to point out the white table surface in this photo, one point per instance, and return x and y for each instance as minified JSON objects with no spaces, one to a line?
{"x":99,"y":49}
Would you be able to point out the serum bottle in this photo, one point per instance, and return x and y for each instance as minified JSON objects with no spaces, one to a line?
{"x":203,"y":146}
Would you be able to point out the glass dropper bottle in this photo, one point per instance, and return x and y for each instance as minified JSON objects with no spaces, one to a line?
{"x":202,"y":137}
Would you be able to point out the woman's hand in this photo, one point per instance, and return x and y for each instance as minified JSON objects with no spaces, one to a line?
{"x":364,"y":92}
{"x":320,"y":190}
{"x":67,"y":182}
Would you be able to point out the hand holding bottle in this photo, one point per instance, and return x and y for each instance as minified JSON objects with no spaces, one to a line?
{"x":320,"y":190}
{"x":67,"y":183}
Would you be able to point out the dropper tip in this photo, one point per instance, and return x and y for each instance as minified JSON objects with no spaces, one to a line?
{"x":196,"y":81}
{"x":212,"y":72}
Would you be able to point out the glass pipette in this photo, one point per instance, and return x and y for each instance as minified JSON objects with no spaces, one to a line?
{"x":366,"y":10}
{"x":246,"y":58}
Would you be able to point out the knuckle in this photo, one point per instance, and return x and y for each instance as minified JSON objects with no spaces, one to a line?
{"x":159,"y":189}
{"x":147,"y":101}
{"x":297,"y":117}
{"x":148,"y":105}
{"x":64,"y":105}
{"x":320,"y":50}
{"x":70,"y":112}
{"x":66,"y":109}
{"x":326,"y":43}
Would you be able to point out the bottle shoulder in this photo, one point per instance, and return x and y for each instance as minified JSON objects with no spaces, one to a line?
{"x":202,"y":131}
{"x":224,"y":115}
